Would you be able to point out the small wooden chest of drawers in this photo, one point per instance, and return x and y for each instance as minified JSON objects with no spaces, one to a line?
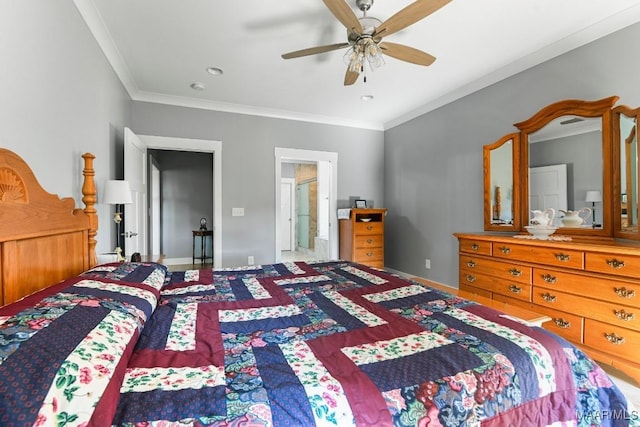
{"x":591,"y":290}
{"x":362,"y":237}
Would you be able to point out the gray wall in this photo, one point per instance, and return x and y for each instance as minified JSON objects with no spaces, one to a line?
{"x":433,"y":164}
{"x":60,"y":98}
{"x":248,"y":165}
{"x":186,"y":196}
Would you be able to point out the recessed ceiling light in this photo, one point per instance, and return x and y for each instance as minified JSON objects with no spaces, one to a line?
{"x":197,"y":86}
{"x":215,"y":71}
{"x":367,"y":97}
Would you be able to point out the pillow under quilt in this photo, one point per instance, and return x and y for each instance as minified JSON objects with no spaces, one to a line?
{"x":76,"y":336}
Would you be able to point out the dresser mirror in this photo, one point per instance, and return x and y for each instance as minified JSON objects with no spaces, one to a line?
{"x":501,"y":184}
{"x":564,"y":162}
{"x":625,"y":144}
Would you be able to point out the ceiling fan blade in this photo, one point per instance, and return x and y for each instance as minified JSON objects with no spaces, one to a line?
{"x":411,"y":14}
{"x":314,"y":50}
{"x":350,"y":77}
{"x":345,"y":15}
{"x":406,"y":53}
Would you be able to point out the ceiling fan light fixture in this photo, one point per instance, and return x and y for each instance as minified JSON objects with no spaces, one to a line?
{"x":363,"y":49}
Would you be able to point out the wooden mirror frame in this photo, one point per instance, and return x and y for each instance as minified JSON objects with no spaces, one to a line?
{"x":618,"y":173}
{"x":515,"y":180}
{"x":572,"y":107}
{"x":611,"y":195}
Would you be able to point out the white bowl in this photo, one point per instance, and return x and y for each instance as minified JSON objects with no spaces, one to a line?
{"x":541,"y":232}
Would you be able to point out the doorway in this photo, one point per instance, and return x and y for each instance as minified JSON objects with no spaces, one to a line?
{"x":315,"y":229}
{"x":180,"y":144}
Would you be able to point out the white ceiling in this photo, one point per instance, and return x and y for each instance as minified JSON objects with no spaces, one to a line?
{"x":159,"y":47}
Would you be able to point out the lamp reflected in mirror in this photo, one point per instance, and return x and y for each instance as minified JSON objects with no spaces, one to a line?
{"x":594,"y":196}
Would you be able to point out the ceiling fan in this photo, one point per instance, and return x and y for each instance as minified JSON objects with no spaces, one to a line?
{"x":364,"y":36}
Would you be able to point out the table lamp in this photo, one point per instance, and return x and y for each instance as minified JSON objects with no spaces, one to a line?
{"x":594,"y":196}
{"x":117,"y":192}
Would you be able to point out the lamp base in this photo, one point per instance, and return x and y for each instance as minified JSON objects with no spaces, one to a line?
{"x":118,"y":252}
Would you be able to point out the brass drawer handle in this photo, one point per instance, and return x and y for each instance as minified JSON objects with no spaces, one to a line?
{"x":474,"y":246}
{"x":561,"y":323}
{"x":369,"y":240}
{"x":624,"y":292}
{"x":623,"y":315}
{"x":549,"y":278}
{"x":471,"y":263}
{"x":369,"y":253}
{"x":369,"y":227}
{"x":515,"y":289}
{"x":614,"y":263}
{"x":515,"y":272}
{"x":548,"y":297}
{"x":562,"y":257}
{"x":614,"y":339}
{"x":471,"y":278}
{"x":505,"y":250}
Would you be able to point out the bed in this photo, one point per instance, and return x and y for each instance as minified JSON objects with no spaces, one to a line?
{"x":288,"y":344}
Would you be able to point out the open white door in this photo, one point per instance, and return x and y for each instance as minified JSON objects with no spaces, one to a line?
{"x":135,"y":214}
{"x":548,"y":188}
{"x":287,"y":193}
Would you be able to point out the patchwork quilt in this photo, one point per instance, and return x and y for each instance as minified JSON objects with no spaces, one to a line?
{"x":291,"y":344}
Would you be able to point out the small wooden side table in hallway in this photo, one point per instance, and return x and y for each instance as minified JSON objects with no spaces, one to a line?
{"x":202,"y":234}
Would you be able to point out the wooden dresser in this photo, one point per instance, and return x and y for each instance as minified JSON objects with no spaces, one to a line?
{"x":362,"y":237}
{"x":590,"y":289}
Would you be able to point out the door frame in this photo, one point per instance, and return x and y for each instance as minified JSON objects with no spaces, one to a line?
{"x":289,"y":155}
{"x":203,"y":146}
{"x":291,"y":182}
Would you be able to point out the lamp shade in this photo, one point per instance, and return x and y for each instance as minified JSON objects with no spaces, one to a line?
{"x":116,"y":192}
{"x":593,"y":196}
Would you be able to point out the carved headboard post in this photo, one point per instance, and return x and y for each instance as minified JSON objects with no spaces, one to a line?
{"x":89,"y":199}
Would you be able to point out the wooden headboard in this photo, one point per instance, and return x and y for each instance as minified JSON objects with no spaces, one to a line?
{"x":43,"y":239}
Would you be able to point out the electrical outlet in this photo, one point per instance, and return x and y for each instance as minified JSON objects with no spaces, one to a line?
{"x":427,"y":263}
{"x":250,"y":260}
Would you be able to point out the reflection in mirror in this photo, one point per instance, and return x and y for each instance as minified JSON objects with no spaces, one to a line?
{"x":566,"y":161}
{"x":502,"y":184}
{"x":629,"y":174}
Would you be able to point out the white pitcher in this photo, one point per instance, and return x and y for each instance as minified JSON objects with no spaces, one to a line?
{"x":575,"y":218}
{"x":544,"y":218}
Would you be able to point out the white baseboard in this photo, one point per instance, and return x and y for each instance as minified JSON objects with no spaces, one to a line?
{"x":178,"y":261}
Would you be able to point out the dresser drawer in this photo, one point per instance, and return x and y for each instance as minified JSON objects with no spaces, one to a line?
{"x":540,"y":255}
{"x":367,"y":255}
{"x":615,"y":340}
{"x":619,"y":265}
{"x":568,"y":326}
{"x":503,"y":270}
{"x":475,"y":246}
{"x":521,"y":291}
{"x":367,"y":228}
{"x":369,"y":241}
{"x":604,"y":289}
{"x":495,"y":285}
{"x":555,"y":300}
{"x":616,"y":314}
{"x":469,"y":292}
{"x":475,"y":280}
